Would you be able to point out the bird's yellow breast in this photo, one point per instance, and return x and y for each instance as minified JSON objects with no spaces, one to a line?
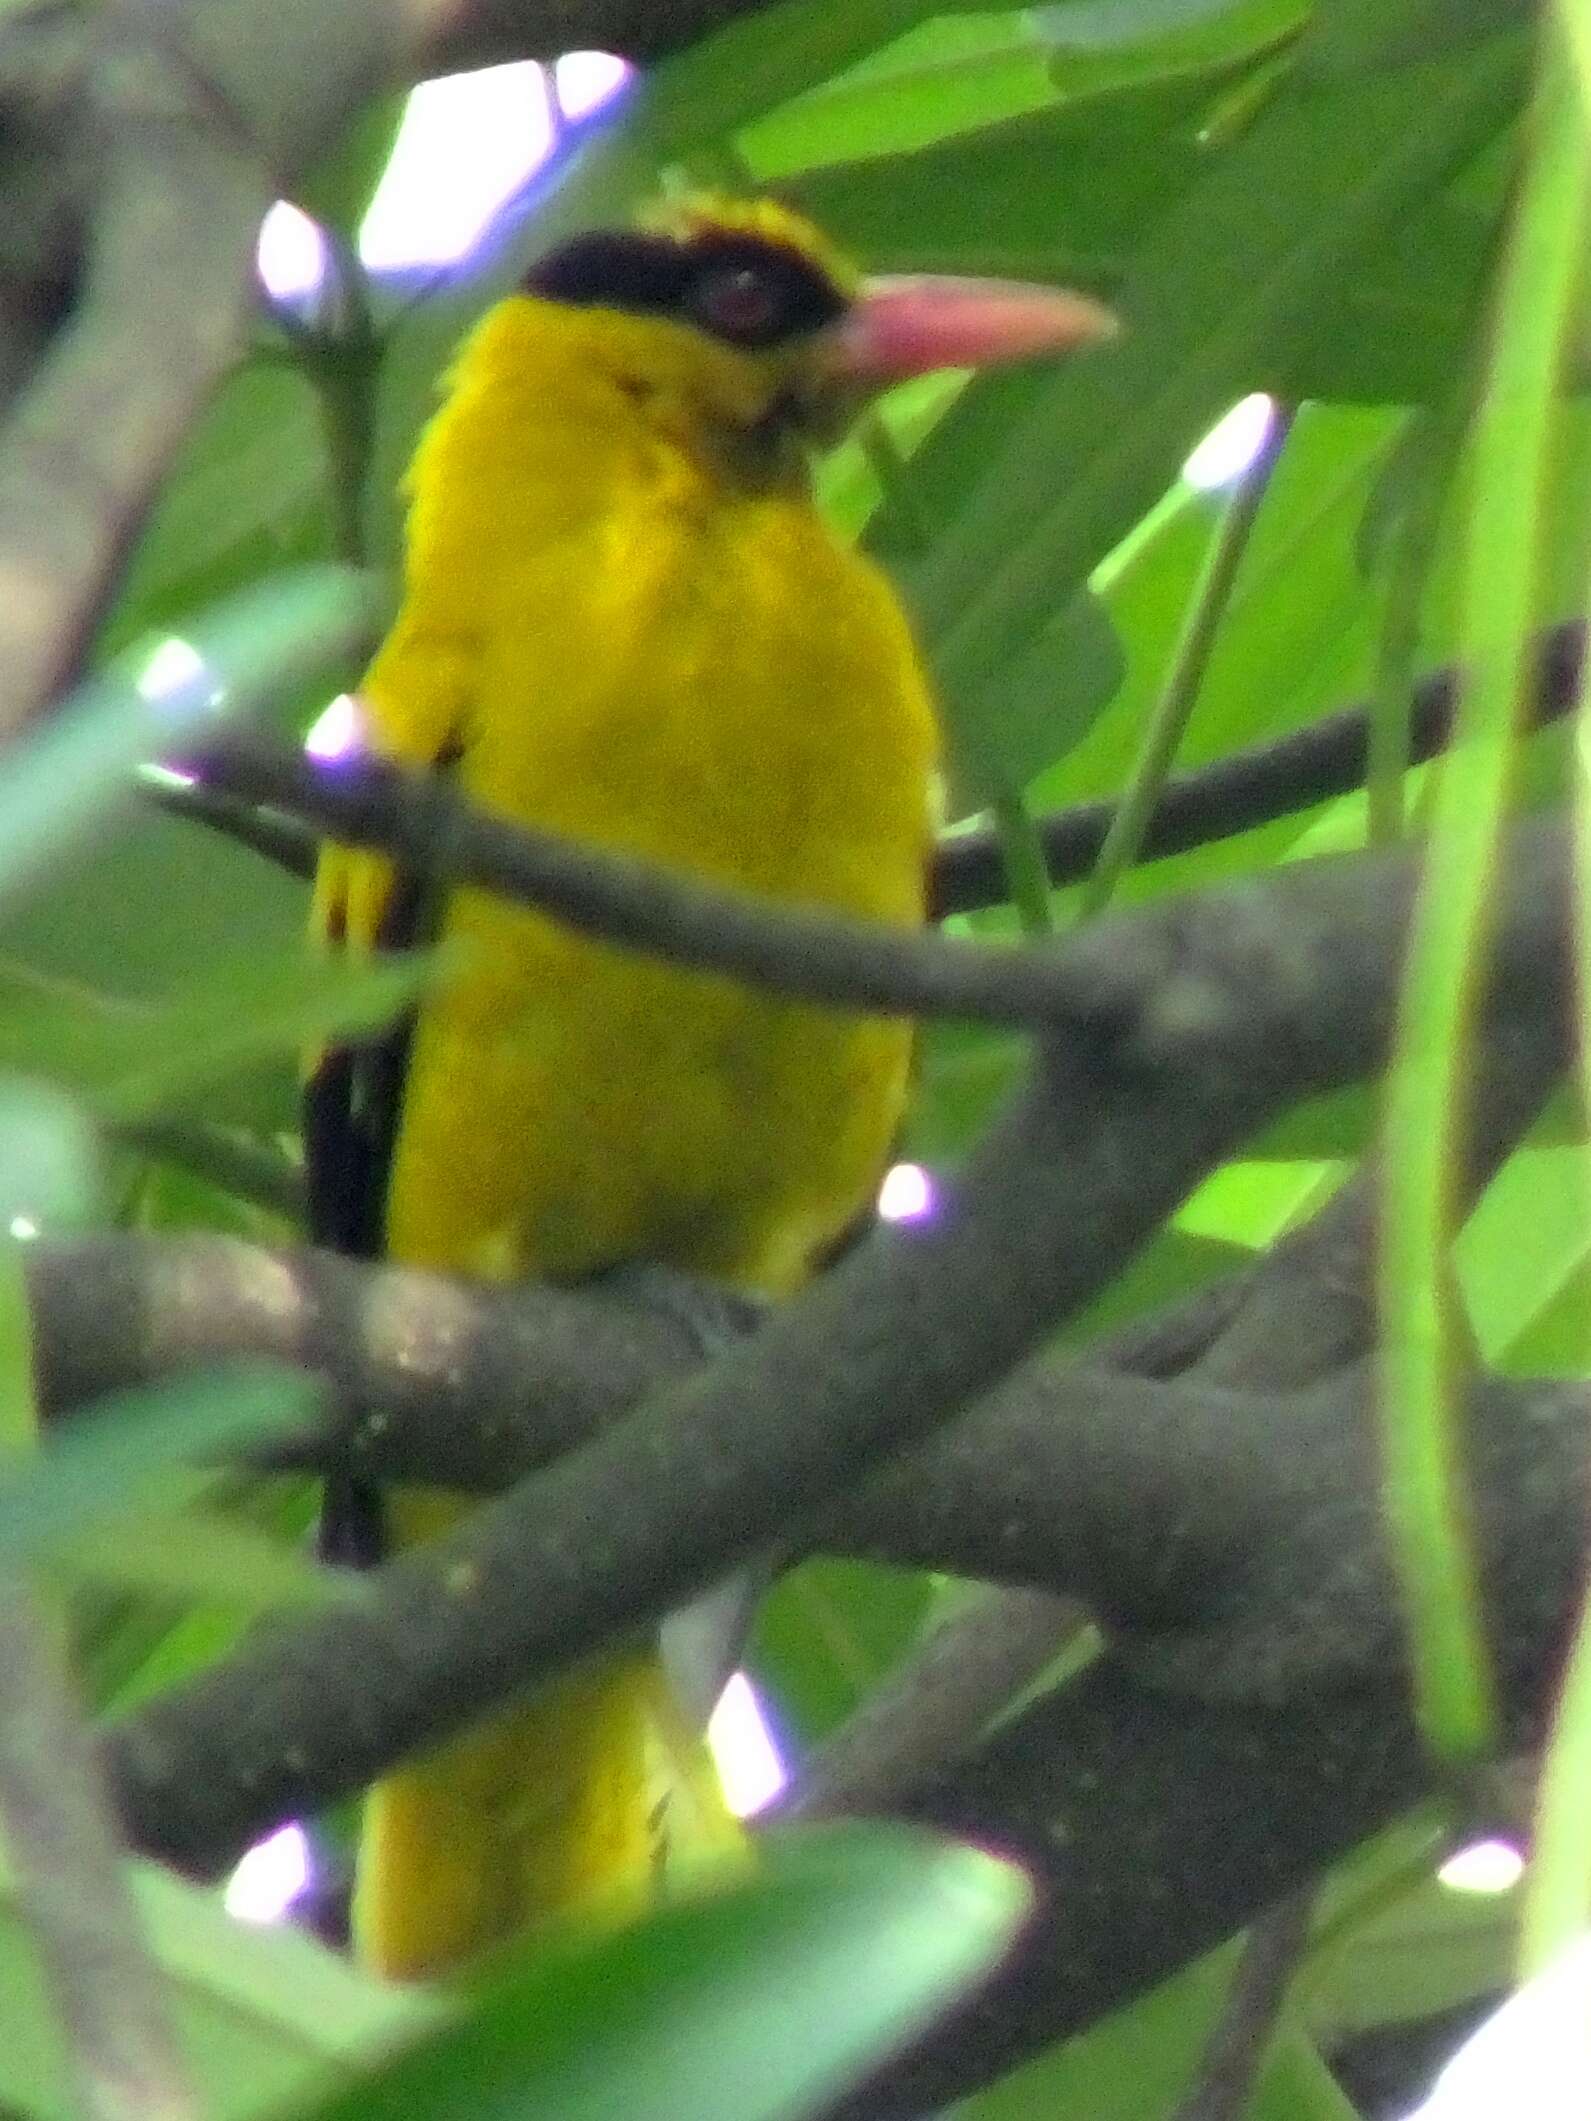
{"x":627,"y":631}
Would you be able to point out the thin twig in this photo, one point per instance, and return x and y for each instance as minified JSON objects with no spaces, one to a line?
{"x":70,"y":1879}
{"x":923,"y":1716}
{"x":371,"y":802}
{"x":1235,"y":794}
{"x":230,"y":1161}
{"x":1250,"y":787}
{"x":1169,"y":717}
{"x":1230,"y":2069}
{"x":279,"y":839}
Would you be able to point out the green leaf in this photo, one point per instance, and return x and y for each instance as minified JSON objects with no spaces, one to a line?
{"x":828,"y":1631}
{"x":1049,"y":196}
{"x":108,"y":1456}
{"x":1428,"y":1951}
{"x":1359,"y":36}
{"x":341,"y":185}
{"x":49,"y":1161}
{"x":1137,"y":2063}
{"x":908,"y":105}
{"x":1524,"y":1258}
{"x":1227,"y":282}
{"x":267,"y":2018}
{"x":1004,"y":731}
{"x":761,"y":2000}
{"x":188,"y":1555}
{"x":1177,"y":1264}
{"x":130,"y":1058}
{"x":132,"y":1645}
{"x":1105,"y":24}
{"x":964,"y":1073}
{"x":1339,"y":1125}
{"x":246,"y":497}
{"x":765,"y":58}
{"x":234,"y":658}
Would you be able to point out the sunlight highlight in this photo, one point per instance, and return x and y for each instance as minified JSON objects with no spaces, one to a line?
{"x":466,"y":144}
{"x":270,"y":1877}
{"x":337,"y":731}
{"x":584,"y":81}
{"x":23,"y":1227}
{"x":1491,"y":1866}
{"x":743,"y":1750}
{"x":167,"y":776}
{"x":907,"y":1194}
{"x":291,"y":254}
{"x":488,"y":131}
{"x":1232,"y":444}
{"x":176,"y":675}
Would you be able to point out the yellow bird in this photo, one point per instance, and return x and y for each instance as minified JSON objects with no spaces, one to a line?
{"x":623,"y":619}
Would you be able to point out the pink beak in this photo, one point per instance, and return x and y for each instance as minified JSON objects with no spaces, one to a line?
{"x":907,"y":325}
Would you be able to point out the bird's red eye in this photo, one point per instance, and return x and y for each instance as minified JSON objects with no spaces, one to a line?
{"x":736,"y":302}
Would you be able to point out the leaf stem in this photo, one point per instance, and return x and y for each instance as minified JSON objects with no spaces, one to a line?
{"x":1515,"y":425}
{"x":1022,"y":857}
{"x":1167,"y":724}
{"x":1398,"y":646}
{"x":1558,"y":1891}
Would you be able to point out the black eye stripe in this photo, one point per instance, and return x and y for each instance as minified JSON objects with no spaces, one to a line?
{"x":658,"y":276}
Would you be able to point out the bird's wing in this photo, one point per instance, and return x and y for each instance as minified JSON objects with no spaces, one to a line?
{"x":413,"y":703}
{"x":413,"y":700}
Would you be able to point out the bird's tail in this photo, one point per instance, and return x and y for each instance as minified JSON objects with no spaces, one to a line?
{"x":551,"y":1808}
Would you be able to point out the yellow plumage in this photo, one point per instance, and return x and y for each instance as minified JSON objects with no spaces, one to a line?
{"x":624,"y":620}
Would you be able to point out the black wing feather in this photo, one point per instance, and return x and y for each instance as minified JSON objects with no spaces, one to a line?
{"x":353,"y":1103}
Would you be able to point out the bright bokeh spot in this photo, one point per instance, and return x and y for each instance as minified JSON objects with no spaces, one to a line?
{"x":167,"y":776}
{"x":583,"y":81}
{"x":291,"y":256}
{"x":1232,"y":444}
{"x":743,"y":1750}
{"x":177,"y":675}
{"x":270,"y":1877}
{"x":1492,"y":1866}
{"x":906,"y":1195}
{"x":1531,"y":2058}
{"x":337,"y":730}
{"x":465,"y":144}
{"x":23,"y":1227}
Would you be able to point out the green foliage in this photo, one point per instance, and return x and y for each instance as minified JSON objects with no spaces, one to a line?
{"x":749,"y":2004}
{"x":1305,"y":199}
{"x":125,"y":1442}
{"x":268,"y":2020}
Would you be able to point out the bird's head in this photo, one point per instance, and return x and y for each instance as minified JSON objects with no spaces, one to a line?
{"x":746,"y":311}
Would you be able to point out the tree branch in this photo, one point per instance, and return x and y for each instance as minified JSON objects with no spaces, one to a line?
{"x":425,"y":823}
{"x":461,"y":1384}
{"x":1195,"y":1023}
{"x":71,"y":1883}
{"x":120,"y":306}
{"x":97,"y":425}
{"x":1248,"y":788}
{"x":1301,"y":1318}
{"x":1234,"y":794}
{"x":1157,"y":1826}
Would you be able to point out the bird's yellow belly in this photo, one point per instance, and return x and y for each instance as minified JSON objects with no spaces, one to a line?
{"x":736,"y":700}
{"x":619,"y":1109}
